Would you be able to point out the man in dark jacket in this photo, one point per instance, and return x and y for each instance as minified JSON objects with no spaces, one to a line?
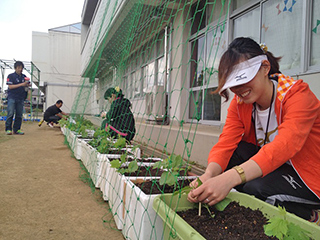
{"x":119,"y":119}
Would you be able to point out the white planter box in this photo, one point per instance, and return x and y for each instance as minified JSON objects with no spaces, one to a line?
{"x":116,"y":184}
{"x":77,"y":147}
{"x":103,"y":180}
{"x":88,"y":154}
{"x":63,"y":130}
{"x":140,"y":220}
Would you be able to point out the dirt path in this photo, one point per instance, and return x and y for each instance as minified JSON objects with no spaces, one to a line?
{"x":41,"y":193}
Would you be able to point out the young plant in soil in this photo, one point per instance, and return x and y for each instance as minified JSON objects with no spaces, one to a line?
{"x":281,"y":228}
{"x":175,"y":165}
{"x":132,"y":166}
{"x":63,"y":122}
{"x":275,"y":228}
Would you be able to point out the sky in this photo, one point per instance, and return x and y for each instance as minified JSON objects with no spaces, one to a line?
{"x":18,"y":18}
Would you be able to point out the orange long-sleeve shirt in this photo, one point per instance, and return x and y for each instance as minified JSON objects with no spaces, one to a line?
{"x":298,"y":140}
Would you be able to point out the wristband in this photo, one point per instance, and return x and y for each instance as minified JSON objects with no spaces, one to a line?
{"x":241,"y":173}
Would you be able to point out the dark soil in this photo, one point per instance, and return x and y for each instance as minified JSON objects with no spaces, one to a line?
{"x":116,"y":151}
{"x":142,"y":160}
{"x":235,"y":222}
{"x":154,"y":187}
{"x":145,"y":171}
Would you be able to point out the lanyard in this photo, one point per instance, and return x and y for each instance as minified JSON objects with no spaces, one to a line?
{"x":254,"y":118}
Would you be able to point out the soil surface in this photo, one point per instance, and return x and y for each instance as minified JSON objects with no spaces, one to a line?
{"x":145,"y":171}
{"x":154,"y":187}
{"x":43,"y":190}
{"x":235,"y":222}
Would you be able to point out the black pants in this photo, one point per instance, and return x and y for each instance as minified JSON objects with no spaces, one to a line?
{"x":53,"y":119}
{"x":281,"y":187}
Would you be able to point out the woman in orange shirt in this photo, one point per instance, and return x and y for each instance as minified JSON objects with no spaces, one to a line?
{"x":270,"y":144}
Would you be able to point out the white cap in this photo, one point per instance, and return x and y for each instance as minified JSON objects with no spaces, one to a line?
{"x":244,"y":72}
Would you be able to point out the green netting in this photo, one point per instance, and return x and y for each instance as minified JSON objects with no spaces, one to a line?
{"x":163,"y":55}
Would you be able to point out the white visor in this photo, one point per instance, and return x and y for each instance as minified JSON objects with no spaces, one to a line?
{"x":244,"y":72}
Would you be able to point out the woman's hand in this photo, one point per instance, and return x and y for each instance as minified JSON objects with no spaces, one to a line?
{"x":214,"y":189}
{"x":204,"y":177}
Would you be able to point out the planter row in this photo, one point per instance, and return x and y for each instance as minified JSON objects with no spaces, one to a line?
{"x":130,"y":206}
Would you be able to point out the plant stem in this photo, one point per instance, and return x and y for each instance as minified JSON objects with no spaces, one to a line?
{"x":199,"y":214}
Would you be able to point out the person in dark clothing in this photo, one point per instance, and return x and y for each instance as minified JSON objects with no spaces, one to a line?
{"x":53,"y":114}
{"x":119,"y":120}
{"x":17,"y":84}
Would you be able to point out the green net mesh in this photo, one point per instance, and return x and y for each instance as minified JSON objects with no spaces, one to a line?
{"x":157,"y":61}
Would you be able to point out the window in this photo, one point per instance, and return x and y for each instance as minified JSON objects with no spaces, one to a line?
{"x":280,"y":25}
{"x":281,"y":30}
{"x":240,"y":3}
{"x":197,"y":62}
{"x":161,"y":71}
{"x":315,"y":34}
{"x":206,"y":51}
{"x":247,"y":25}
{"x":198,"y":20}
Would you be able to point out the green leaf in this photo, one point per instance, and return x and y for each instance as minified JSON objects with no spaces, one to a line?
{"x":177,"y":161}
{"x":167,"y":178}
{"x":199,"y":182}
{"x":123,"y":158}
{"x":220,"y":206}
{"x":120,"y":143}
{"x":115,"y":163}
{"x":282,"y":211}
{"x":157,"y":165}
{"x":277,"y":227}
{"x":295,"y":232}
{"x":133,"y":166}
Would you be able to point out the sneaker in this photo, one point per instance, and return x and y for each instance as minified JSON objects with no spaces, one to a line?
{"x":40,"y":123}
{"x":315,"y":216}
{"x":19,"y":132}
{"x":50,"y":125}
{"x":9,"y":132}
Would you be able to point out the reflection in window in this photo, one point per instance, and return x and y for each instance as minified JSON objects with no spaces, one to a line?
{"x":281,"y":24}
{"x":137,"y":84}
{"x":149,"y":77}
{"x":212,"y":105}
{"x":161,"y":71}
{"x":198,"y":20}
{"x":315,"y":34}
{"x":195,"y":105}
{"x":216,"y":46}
{"x":197,"y":62}
{"x":216,"y":10}
{"x":239,"y":3}
{"x":247,"y":25}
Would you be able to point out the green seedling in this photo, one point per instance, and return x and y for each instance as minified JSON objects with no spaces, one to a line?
{"x":120,"y":143}
{"x":173,"y":165}
{"x":282,"y":229}
{"x":132,"y":166}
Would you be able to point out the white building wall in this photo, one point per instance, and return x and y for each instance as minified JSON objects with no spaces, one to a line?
{"x":57,"y":55}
